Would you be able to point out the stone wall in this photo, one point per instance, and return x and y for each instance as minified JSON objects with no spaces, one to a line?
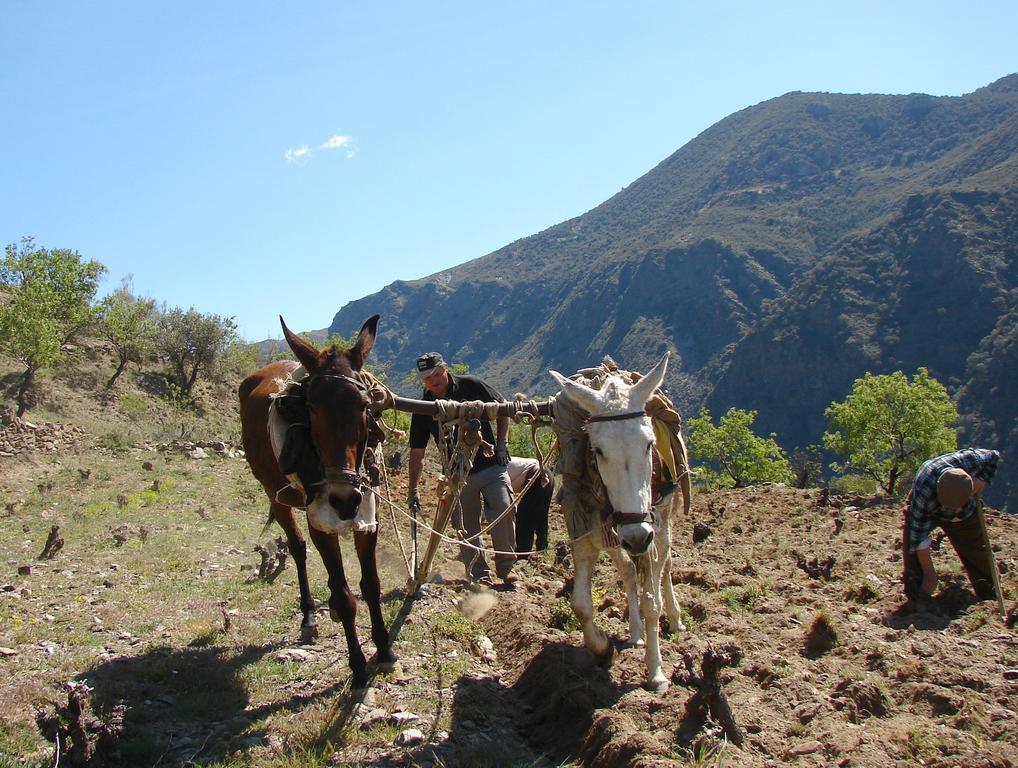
{"x":20,"y":436}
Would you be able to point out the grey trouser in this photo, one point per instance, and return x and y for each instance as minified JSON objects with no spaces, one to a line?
{"x":489,"y":490}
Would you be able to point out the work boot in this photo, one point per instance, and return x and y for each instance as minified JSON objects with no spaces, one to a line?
{"x":926,"y":603}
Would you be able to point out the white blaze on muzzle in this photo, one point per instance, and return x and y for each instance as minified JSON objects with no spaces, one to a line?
{"x":322,"y":516}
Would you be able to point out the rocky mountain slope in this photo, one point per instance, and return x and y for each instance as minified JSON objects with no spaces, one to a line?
{"x":155,"y":600}
{"x":812,"y":232}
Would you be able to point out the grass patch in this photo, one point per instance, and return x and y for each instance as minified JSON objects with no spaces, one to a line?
{"x":453,"y":625}
{"x":821,"y":636}
{"x":976,"y":617}
{"x":743,"y":599}
{"x":563,"y":617}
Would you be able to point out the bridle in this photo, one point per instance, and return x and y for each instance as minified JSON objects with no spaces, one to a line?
{"x":609,"y":514}
{"x":343,"y":476}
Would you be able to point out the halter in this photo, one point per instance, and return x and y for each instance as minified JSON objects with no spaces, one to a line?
{"x":353,"y":477}
{"x":615,"y":417}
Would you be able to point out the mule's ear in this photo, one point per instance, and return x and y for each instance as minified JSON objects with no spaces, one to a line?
{"x":582,"y":395}
{"x":305,"y":352}
{"x":642,"y":390}
{"x":365,"y":341}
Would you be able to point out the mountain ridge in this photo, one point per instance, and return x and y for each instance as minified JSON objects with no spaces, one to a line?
{"x":701,"y":255}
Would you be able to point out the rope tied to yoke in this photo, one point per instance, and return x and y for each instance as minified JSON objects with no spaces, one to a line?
{"x":458,"y":461}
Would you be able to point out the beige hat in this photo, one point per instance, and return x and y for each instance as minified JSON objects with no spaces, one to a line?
{"x":954,"y":488}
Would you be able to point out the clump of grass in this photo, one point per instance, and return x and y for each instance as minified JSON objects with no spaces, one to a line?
{"x":861,"y":592}
{"x":821,"y":636}
{"x":920,"y":744}
{"x":908,"y":669}
{"x":563,"y":617}
{"x":455,"y":626}
{"x":133,"y":406}
{"x":977,"y":617}
{"x":115,"y":441}
{"x":742,"y":599}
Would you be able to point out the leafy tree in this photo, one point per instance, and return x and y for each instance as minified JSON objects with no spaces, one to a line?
{"x":194,"y":344}
{"x":887,"y":426}
{"x":732,"y":455}
{"x":129,"y":323}
{"x":807,"y":466}
{"x":47,"y":300}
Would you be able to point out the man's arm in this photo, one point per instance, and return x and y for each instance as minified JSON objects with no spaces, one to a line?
{"x":920,"y":510}
{"x":415,"y":466}
{"x":420,"y":432}
{"x":929,"y":572}
{"x":502,"y":441}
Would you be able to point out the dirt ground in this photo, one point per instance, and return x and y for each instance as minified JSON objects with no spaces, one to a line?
{"x":877,"y":688}
{"x":798,"y":589}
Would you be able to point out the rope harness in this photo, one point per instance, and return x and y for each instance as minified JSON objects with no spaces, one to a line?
{"x":583,"y":498}
{"x":298,"y":456}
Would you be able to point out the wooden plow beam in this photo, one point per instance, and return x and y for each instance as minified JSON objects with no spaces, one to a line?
{"x":467,"y":443}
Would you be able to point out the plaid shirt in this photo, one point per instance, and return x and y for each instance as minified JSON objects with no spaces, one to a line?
{"x":924,"y":511}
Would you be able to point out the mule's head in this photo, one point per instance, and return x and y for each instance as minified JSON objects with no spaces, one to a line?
{"x":338,"y":407}
{"x":622,"y":440}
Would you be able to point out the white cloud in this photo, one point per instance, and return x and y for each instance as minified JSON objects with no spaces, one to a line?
{"x":340,"y":142}
{"x":336,"y":142}
{"x":299,"y":153}
{"x":304,"y":152}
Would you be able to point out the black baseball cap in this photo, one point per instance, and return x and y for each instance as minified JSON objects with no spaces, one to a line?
{"x":428,"y":363}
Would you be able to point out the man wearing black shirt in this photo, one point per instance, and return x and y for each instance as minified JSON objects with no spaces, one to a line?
{"x":487,"y":487}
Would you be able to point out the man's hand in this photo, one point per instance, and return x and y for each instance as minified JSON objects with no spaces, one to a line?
{"x":502,"y":453}
{"x":413,"y":500}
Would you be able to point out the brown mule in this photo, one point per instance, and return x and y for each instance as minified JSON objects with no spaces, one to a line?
{"x":329,"y":463}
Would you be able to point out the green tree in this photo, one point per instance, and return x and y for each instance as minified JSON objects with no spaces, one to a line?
{"x":129,"y":324}
{"x":887,"y":426}
{"x":194,"y":343}
{"x":732,"y":455}
{"x":807,"y":466}
{"x":47,"y":300}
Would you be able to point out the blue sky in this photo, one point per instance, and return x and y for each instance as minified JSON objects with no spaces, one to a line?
{"x":254,"y":159}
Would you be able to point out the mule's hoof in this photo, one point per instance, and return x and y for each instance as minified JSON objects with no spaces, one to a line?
{"x":605,"y":658}
{"x":667,"y":629}
{"x":631,"y":643}
{"x":308,"y":633}
{"x":386,"y":663}
{"x":657,"y":685}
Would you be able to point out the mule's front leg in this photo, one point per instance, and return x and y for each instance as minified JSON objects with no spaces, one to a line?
{"x":342,"y":605}
{"x":625,"y":566}
{"x":650,"y":608}
{"x":671,"y":604}
{"x":584,"y":557}
{"x":298,"y":550}
{"x":371,"y":591}
{"x":663,"y":568}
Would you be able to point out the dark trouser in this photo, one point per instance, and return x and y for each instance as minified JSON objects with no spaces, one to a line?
{"x":532,"y":518}
{"x":967,"y":539}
